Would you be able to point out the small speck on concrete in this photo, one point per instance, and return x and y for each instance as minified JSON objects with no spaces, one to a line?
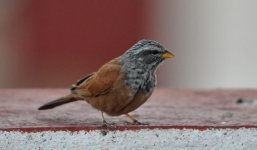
{"x":239,"y":101}
{"x":104,"y":132}
{"x":139,"y":139}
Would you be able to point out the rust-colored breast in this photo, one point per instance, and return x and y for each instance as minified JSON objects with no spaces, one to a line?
{"x":139,"y":99}
{"x":106,"y":90}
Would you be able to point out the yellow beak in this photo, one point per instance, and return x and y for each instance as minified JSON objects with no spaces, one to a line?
{"x":168,"y":55}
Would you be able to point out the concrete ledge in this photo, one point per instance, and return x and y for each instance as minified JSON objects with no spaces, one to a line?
{"x":141,"y":139}
{"x":166,"y":107}
{"x":177,"y":119}
{"x":123,"y":128}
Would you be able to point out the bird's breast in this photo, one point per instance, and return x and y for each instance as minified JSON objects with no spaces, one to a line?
{"x":141,"y":79}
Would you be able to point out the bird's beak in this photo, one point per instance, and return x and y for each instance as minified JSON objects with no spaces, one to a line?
{"x":167,"y":54}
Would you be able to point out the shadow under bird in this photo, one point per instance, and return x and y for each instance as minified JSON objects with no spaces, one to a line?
{"x":122,"y":84}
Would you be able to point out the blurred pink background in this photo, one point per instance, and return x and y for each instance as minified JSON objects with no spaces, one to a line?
{"x":52,"y":44}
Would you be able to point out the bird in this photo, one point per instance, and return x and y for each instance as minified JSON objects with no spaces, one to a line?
{"x":121,"y":85}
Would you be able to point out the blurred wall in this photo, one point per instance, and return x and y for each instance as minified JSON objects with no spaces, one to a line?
{"x":46,"y":43}
{"x":215,"y":42}
{"x":8,"y":58}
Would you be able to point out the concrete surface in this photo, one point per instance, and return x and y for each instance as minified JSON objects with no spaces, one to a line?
{"x":223,"y":139}
{"x":166,"y":107}
{"x":211,"y":119}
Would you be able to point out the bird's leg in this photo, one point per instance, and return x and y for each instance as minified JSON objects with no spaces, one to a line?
{"x":105,"y":123}
{"x":134,"y":121}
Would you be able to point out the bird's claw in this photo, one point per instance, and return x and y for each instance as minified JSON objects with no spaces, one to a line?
{"x":135,"y":122}
{"x":109,"y":125}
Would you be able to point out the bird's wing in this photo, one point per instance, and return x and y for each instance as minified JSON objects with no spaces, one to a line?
{"x":81,"y":81}
{"x":100,"y":82}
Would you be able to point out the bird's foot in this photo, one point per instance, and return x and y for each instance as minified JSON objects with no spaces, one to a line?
{"x":109,"y":125}
{"x":134,"y":120}
{"x":106,"y":127}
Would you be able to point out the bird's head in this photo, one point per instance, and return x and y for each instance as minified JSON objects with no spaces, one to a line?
{"x":148,"y":52}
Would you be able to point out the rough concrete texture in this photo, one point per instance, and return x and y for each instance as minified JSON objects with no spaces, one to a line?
{"x":166,"y":107}
{"x":140,"y":139}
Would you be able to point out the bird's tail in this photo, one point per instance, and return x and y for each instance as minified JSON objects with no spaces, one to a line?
{"x":60,"y":101}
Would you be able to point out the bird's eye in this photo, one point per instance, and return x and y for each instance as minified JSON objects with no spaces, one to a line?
{"x":154,"y":52}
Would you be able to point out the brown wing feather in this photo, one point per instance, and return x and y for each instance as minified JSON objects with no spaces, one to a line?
{"x":81,"y":81}
{"x":100,"y":82}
